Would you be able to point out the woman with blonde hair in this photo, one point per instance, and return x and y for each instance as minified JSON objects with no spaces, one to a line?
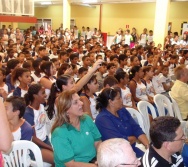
{"x":75,"y":137}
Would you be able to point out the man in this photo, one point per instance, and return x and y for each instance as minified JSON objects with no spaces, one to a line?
{"x":116,"y":152}
{"x":179,"y":91}
{"x":167,"y":140}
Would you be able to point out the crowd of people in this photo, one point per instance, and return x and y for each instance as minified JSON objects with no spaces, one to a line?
{"x":69,"y":86}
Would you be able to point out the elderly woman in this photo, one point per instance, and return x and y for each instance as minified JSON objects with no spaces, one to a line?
{"x":75,"y":137}
{"x":113,"y":121}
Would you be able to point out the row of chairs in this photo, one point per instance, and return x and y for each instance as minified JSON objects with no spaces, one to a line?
{"x":162,"y":103}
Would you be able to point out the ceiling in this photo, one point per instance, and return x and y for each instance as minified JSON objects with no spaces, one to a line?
{"x":42,"y":3}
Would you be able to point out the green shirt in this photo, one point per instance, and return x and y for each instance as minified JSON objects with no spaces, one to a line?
{"x":71,"y":144}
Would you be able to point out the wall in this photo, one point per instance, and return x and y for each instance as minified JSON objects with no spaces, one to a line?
{"x":115,"y":16}
{"x":135,"y":15}
{"x":178,"y":15}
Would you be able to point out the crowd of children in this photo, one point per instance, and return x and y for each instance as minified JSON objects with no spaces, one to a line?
{"x":37,"y":65}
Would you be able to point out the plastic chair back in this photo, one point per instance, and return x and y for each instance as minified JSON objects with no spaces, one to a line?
{"x":175,"y":108}
{"x":19,"y":155}
{"x":139,"y":119}
{"x":162,"y":102}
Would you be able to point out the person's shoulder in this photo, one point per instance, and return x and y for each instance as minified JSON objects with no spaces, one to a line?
{"x":61,"y":131}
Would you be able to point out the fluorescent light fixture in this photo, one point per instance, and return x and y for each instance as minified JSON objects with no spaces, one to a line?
{"x":89,"y":1}
{"x":46,"y":3}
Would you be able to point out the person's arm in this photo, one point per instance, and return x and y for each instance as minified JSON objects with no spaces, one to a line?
{"x":78,"y":86}
{"x":5,"y":133}
{"x":86,"y":106}
{"x":132,"y":87}
{"x":143,"y":139}
{"x":46,"y":83}
{"x":38,"y":142}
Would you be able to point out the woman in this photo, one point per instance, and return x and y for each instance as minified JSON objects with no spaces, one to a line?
{"x":75,"y":137}
{"x":113,"y":121}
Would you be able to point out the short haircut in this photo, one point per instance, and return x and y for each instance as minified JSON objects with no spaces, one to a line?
{"x":110,"y":80}
{"x":120,"y":75}
{"x":18,"y":103}
{"x":84,"y":57}
{"x":173,"y":56}
{"x":163,"y":129}
{"x":122,"y":57}
{"x":81,"y":70}
{"x":72,"y":56}
{"x":41,"y":48}
{"x":113,"y":57}
{"x":109,"y":65}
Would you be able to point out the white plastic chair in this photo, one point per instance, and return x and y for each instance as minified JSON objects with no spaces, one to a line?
{"x":175,"y":108}
{"x":18,"y":156}
{"x":135,"y":114}
{"x":162,"y":102}
{"x":143,"y":108}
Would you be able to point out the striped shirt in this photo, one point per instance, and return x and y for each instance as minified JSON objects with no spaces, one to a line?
{"x":152,"y":159}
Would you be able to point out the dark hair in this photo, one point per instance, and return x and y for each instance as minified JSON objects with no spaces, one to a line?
{"x":147,"y":69}
{"x":120,"y":75}
{"x":33,"y":90}
{"x":18,"y":103}
{"x":4,"y":73}
{"x":122,"y":57}
{"x":72,"y":56}
{"x":103,"y":98}
{"x":56,"y":88}
{"x":17,"y":73}
{"x":92,"y":79}
{"x":132,"y":58}
{"x":81,"y":70}
{"x":163,"y":129}
{"x":41,"y":48}
{"x":45,"y":67}
{"x":113,"y":57}
{"x":84,"y":57}
{"x":133,"y":71}
{"x":62,"y":69}
{"x":109,"y":65}
{"x":26,"y":65}
{"x":11,"y":64}
{"x":36,"y":63}
{"x":62,"y":54}
{"x":110,"y":80}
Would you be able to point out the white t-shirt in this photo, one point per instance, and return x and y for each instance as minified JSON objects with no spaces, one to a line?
{"x":94,"y":112}
{"x":128,"y":39}
{"x":157,"y":84}
{"x":150,"y":89}
{"x":166,"y":80}
{"x":126,"y":97}
{"x":141,"y":92}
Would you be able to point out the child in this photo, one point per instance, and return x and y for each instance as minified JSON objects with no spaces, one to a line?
{"x":11,"y":66}
{"x":21,"y":58}
{"x":54,"y":53}
{"x":3,"y":86}
{"x":126,"y":95}
{"x":150,"y":37}
{"x":15,"y":108}
{"x":122,"y":63}
{"x":149,"y":61}
{"x":35,"y":114}
{"x":128,"y":37}
{"x":22,"y":75}
{"x":86,"y":62}
{"x":111,"y":68}
{"x":99,"y":75}
{"x":63,"y":57}
{"x":165,"y":79}
{"x":171,"y":64}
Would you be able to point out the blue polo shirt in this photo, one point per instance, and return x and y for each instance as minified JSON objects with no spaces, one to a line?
{"x":72,"y":144}
{"x":123,"y":126}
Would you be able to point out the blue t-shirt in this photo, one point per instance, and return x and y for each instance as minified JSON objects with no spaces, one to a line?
{"x":24,"y":132}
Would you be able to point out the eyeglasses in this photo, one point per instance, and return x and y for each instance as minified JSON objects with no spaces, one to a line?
{"x":183,"y":138}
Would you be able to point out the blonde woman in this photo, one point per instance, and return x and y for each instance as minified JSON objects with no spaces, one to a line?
{"x":75,"y":138}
